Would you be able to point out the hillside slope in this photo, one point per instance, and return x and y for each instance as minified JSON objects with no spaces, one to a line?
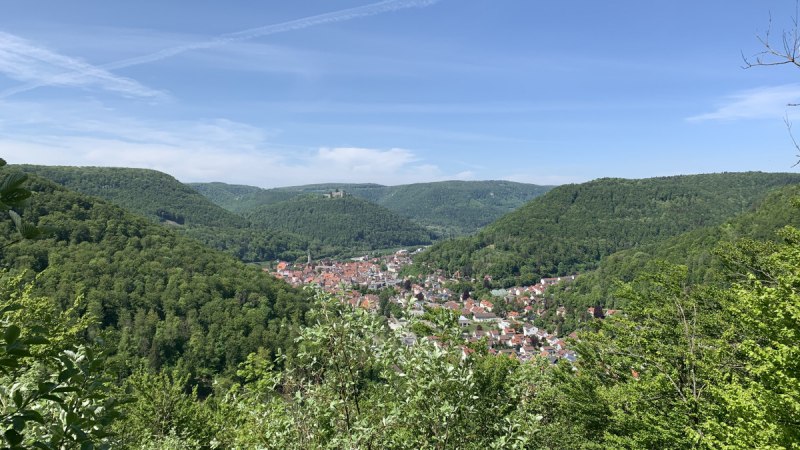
{"x":458,"y":207}
{"x":238,"y":198}
{"x":158,"y":296}
{"x":150,"y":193}
{"x":348,"y":224}
{"x":162,"y":198}
{"x":572,"y":227}
{"x":696,"y":249}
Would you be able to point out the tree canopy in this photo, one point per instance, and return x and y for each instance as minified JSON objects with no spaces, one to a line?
{"x":572,"y":227}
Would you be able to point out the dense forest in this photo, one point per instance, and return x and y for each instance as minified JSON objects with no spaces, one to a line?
{"x":700,"y":250}
{"x":241,"y":199}
{"x":572,"y":227}
{"x":163,"y":199}
{"x":158,"y":297}
{"x":117,"y":332}
{"x":150,"y":193}
{"x":340,"y":225}
{"x":450,"y":208}
{"x":458,"y":207}
{"x":260,"y":227}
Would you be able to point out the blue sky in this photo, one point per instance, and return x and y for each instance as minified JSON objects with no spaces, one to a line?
{"x":278,"y":93}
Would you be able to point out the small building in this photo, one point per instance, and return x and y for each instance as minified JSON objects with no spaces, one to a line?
{"x":484,"y":317}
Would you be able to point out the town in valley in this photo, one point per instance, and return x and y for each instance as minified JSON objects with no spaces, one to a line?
{"x":504,"y":319}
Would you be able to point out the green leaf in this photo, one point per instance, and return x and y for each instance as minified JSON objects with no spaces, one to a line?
{"x":18,"y":351}
{"x":11,"y":307}
{"x":29,"y":231}
{"x":18,"y":423}
{"x":9,"y":362}
{"x":16,"y":219}
{"x":33,"y":416}
{"x":52,"y":398}
{"x":67,"y":363}
{"x":17,"y":397}
{"x":46,"y":387}
{"x":11,"y":334}
{"x":37,"y":340}
{"x":37,"y":329}
{"x":67,"y":374}
{"x":13,"y":437}
{"x":12,"y":182}
{"x":17,"y":197}
{"x":76,"y":430}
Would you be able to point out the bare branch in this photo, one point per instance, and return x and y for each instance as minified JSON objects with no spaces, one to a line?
{"x":787,"y":52}
{"x":791,"y":136}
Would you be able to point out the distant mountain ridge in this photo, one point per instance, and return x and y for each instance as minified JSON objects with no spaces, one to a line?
{"x":448,"y":207}
{"x":568,"y":229}
{"x":255,"y":238}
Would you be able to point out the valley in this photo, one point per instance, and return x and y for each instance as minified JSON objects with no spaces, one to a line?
{"x":139,"y":266}
{"x":401,"y":225}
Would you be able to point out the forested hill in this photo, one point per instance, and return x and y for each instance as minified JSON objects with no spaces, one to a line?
{"x":449,"y":207}
{"x":240,"y":198}
{"x":164,"y":199}
{"x":458,"y":207}
{"x":572,"y":227}
{"x":133,"y":336}
{"x":159,"y":297}
{"x":698,"y":250}
{"x":349,"y":224}
{"x":147,"y":192}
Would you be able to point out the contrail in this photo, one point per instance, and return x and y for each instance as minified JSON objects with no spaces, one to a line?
{"x":244,"y":35}
{"x":24,"y":61}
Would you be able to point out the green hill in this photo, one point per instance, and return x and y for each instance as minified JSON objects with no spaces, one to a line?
{"x":458,"y":207}
{"x":696,"y":249}
{"x":186,"y":346}
{"x":239,"y":198}
{"x":150,"y":193}
{"x":158,"y":296}
{"x":348,"y":224}
{"x":572,"y":227}
{"x":163,"y":199}
{"x":448,"y":207}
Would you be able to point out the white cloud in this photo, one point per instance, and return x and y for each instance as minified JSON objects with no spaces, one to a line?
{"x":262,"y":167}
{"x":183,"y":162}
{"x":24,"y":61}
{"x":365,"y":160}
{"x":203,"y":150}
{"x":760,"y":103}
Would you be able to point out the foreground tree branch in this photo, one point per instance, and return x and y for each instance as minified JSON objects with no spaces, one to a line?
{"x":787,"y":51}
